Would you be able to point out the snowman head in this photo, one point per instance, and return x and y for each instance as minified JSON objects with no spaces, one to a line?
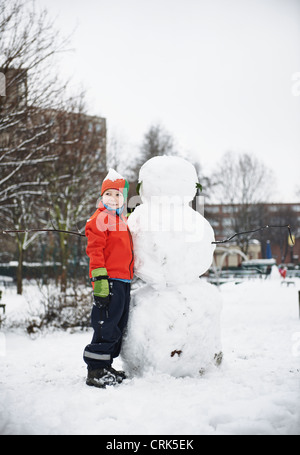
{"x":168,"y":177}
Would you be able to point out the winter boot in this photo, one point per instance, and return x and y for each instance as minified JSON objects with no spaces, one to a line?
{"x":120,"y":375}
{"x":101,"y":378}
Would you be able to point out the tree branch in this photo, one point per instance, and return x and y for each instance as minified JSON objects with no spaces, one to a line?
{"x":15,"y":231}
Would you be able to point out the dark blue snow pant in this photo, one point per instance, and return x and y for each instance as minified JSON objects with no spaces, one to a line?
{"x":108,"y":327}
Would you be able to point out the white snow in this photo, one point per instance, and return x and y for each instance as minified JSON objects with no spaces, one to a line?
{"x":167,"y":176}
{"x":113,"y":175}
{"x":255,"y":391}
{"x":174,"y":319}
{"x":172,"y":244}
{"x":174,"y":330}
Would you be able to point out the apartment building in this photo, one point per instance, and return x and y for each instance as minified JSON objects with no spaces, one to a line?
{"x":19,"y":118}
{"x":229,"y":219}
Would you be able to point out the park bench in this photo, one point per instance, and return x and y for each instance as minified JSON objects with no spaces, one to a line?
{"x":6,"y":282}
{"x":288,"y":283}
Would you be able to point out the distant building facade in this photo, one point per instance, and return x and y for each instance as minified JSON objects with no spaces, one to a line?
{"x":58,"y":123}
{"x":226,"y":220}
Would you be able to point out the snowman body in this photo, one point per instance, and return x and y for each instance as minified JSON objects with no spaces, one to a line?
{"x":174,"y":321}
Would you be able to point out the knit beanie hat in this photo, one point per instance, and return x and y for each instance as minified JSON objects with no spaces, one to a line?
{"x":115,"y":181}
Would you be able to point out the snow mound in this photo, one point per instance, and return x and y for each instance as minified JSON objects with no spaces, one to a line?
{"x":113,"y":175}
{"x":173,"y":330}
{"x":254,"y":392}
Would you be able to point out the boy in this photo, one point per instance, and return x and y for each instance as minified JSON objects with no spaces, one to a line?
{"x":110,"y":251}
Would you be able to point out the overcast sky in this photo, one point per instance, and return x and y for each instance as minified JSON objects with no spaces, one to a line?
{"x":217,"y":74}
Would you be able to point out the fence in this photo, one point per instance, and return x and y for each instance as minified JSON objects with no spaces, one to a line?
{"x":46,"y":270}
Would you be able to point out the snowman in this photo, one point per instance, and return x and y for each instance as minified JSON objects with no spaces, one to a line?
{"x":174,"y":321}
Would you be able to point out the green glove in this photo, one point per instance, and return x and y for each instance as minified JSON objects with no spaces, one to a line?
{"x":101,"y":287}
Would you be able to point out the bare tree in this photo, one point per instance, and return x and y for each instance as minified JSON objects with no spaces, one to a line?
{"x":75,"y":177}
{"x":157,"y":141}
{"x":242,"y":179}
{"x":242,"y":182}
{"x":29,"y":43}
{"x":205,"y":182}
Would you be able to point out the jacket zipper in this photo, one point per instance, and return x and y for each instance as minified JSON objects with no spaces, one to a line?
{"x":131,"y":246}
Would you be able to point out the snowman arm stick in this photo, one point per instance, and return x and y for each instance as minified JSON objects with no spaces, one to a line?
{"x":217,"y":242}
{"x":14,"y":231}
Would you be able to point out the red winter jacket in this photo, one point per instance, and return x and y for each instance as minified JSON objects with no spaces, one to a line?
{"x":110,"y":243}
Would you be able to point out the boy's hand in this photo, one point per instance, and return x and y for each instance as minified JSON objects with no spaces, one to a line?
{"x":101,"y":287}
{"x":101,"y":302}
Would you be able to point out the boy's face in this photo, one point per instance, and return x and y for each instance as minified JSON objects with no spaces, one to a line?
{"x":113,"y":198}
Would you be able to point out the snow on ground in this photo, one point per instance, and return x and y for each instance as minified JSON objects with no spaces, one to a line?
{"x":255,"y":391}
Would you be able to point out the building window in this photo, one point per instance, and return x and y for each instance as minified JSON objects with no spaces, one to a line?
{"x":273,"y":208}
{"x":227,"y":222}
{"x":214,"y":223}
{"x":212,"y":209}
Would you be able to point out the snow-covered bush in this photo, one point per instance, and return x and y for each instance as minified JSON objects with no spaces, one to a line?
{"x":44,"y":306}
{"x":61,"y":310}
